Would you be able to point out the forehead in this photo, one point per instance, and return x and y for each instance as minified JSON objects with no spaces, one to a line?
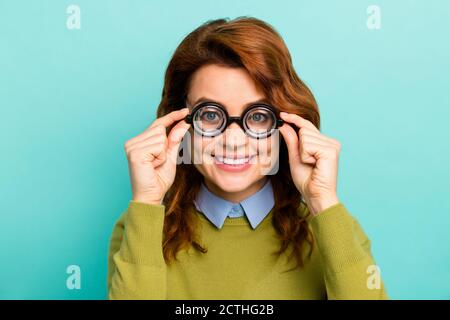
{"x":233,"y":88}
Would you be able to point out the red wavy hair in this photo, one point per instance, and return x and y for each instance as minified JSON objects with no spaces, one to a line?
{"x":254,"y":45}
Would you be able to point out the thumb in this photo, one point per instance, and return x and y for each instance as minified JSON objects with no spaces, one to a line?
{"x":299,"y":171}
{"x":174,"y":139}
{"x":292,"y":142}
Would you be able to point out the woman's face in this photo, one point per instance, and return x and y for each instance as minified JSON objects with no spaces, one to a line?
{"x":234,"y":90}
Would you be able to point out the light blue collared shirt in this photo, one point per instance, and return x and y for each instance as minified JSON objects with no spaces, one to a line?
{"x":216,"y":209}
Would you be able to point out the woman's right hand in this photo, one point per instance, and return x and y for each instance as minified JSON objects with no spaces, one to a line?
{"x":152,"y":157}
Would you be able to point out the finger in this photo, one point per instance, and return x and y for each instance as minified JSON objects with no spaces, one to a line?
{"x":171,"y":117}
{"x":157,"y":153}
{"x":153,"y":133}
{"x":175,"y":137}
{"x":150,"y":141}
{"x":311,"y":152}
{"x":306,"y":138}
{"x":307,"y":153}
{"x":319,"y":136}
{"x":157,"y":127}
{"x":154,"y":153}
{"x":298,"y":121}
{"x":292,"y":142}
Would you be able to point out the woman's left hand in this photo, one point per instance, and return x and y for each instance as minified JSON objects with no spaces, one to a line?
{"x":313,"y":160}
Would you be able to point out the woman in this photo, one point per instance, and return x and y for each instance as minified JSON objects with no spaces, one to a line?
{"x":241,"y":217}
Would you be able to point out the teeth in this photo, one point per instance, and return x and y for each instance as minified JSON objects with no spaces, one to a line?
{"x":232,"y":161}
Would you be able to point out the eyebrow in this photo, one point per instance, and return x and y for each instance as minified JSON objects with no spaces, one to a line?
{"x":205,"y":99}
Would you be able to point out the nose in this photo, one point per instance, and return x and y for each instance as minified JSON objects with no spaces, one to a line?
{"x":234,"y":137}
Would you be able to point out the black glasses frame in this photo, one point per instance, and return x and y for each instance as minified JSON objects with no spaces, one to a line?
{"x":239,"y":120}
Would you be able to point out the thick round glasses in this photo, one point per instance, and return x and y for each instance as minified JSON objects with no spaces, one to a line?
{"x":258,"y":121}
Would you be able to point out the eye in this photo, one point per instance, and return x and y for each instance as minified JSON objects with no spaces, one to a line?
{"x":258,"y":117}
{"x":209,"y":116}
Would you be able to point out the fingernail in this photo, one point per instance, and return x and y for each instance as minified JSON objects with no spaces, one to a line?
{"x":282,"y":113}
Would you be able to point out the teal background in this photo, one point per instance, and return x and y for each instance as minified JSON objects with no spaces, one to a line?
{"x":69,"y":99}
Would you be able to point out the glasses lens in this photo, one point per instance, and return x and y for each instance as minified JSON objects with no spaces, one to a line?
{"x":260,"y":121}
{"x":209,"y":119}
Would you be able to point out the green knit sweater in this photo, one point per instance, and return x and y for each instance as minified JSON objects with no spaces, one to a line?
{"x":240,"y":263}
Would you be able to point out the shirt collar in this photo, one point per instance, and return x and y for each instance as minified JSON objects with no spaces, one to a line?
{"x":216,"y":209}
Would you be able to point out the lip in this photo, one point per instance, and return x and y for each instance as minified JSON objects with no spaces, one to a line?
{"x":235,"y":156}
{"x":234,"y":167}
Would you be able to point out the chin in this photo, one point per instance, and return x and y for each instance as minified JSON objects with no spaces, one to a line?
{"x":233,"y":182}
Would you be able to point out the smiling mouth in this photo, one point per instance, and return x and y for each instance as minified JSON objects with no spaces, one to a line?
{"x":237,"y":160}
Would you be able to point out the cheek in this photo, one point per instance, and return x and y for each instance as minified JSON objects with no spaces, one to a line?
{"x":268,"y":153}
{"x":201,"y":155}
{"x":266,"y":148}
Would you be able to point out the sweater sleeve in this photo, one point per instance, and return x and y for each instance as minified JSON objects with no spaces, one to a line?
{"x":350,"y":271}
{"x":136,"y":266}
